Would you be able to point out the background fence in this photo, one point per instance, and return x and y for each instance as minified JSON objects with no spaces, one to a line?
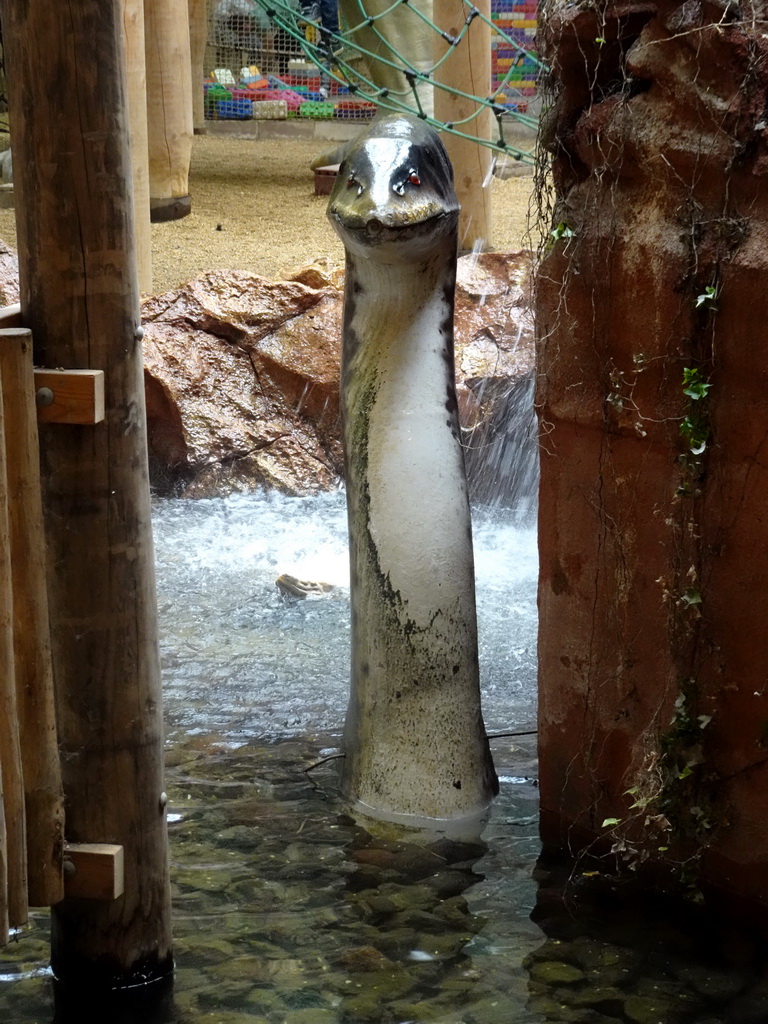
{"x":272,"y":58}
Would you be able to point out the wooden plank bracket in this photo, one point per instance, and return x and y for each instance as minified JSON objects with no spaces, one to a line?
{"x":62,"y":396}
{"x":69,"y":396}
{"x":94,"y":871}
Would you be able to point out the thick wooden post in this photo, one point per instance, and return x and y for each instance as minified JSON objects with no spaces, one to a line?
{"x":79,"y":295}
{"x":136,"y":77}
{"x":3,"y":869}
{"x":198,"y":37}
{"x":468,"y":69}
{"x":43,"y":797}
{"x":169,"y":107}
{"x":13,"y":854}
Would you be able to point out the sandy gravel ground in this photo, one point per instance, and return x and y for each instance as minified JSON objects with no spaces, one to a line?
{"x":254,"y":208}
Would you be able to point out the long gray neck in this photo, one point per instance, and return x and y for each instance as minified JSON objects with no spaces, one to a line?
{"x":415,"y":705}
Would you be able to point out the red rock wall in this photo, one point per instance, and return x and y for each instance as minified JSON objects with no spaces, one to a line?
{"x":654,"y":563}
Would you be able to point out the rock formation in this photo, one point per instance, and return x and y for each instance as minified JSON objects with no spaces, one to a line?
{"x":653,"y":381}
{"x":242,"y":379}
{"x":242,"y":376}
{"x":9,"y":275}
{"x":242,"y":385}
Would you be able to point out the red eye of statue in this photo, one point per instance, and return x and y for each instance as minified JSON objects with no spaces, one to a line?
{"x":414,"y":178}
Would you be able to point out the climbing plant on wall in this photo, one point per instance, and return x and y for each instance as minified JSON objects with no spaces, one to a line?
{"x":650,"y":186}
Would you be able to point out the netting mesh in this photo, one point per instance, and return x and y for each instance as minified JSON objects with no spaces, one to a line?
{"x":321,"y":60}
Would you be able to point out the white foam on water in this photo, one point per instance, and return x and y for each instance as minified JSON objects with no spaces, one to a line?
{"x":241,"y":660}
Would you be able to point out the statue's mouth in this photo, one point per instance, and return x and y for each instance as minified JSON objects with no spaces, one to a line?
{"x":374,"y":231}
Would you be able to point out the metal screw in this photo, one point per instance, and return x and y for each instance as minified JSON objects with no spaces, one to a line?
{"x":44,"y":396}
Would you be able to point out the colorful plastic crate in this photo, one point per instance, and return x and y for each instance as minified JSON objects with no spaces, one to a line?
{"x":234,"y":110}
{"x":315,"y":109}
{"x":292,"y":99}
{"x":346,"y":109}
{"x":269,"y":110}
{"x":303,"y":81}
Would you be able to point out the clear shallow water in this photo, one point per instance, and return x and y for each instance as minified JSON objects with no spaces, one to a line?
{"x":287,"y":912}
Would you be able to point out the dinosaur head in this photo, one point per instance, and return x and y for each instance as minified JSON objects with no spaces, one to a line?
{"x":393,"y":200}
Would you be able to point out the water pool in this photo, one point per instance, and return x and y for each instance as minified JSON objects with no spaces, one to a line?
{"x":285,"y":910}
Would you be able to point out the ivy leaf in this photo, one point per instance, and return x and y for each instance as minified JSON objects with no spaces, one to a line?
{"x":694,"y":385}
{"x":610,"y":822}
{"x":707,"y":298}
{"x":698,"y":390}
{"x":562,"y":231}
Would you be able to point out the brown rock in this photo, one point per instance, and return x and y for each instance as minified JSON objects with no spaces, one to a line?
{"x":243,"y":385}
{"x":495,"y":377}
{"x":242,"y":375}
{"x":9,"y":275}
{"x":364,"y":959}
{"x":320,"y":274}
{"x":374,"y":855}
{"x":242,"y":378}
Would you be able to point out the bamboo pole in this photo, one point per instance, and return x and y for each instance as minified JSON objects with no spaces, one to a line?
{"x":468,"y":69}
{"x":13,"y":850}
{"x":136,"y":75}
{"x":198,"y":38}
{"x":43,"y":797}
{"x":79,"y":295}
{"x":169,"y":107}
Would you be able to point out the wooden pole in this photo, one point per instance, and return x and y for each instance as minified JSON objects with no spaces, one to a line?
{"x":13,"y":851}
{"x":468,"y":69}
{"x":4,"y":892}
{"x":79,"y":295}
{"x":169,"y":107}
{"x":198,"y":38}
{"x":43,"y":797}
{"x":136,"y":75}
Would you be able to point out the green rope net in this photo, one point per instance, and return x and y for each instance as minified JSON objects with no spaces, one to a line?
{"x":344,"y":58}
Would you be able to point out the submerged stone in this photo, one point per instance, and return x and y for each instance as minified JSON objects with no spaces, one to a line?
{"x":643,"y":1010}
{"x":553,"y":972}
{"x":316,"y":1015}
{"x":238,"y":837}
{"x":365,"y":959}
{"x":607,"y":1000}
{"x":207,"y":947}
{"x":375,"y":908}
{"x":716,"y":985}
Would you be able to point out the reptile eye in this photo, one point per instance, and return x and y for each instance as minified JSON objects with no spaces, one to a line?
{"x":350,"y":181}
{"x":414,"y":179}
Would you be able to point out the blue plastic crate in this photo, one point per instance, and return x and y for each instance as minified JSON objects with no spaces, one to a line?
{"x":234,"y":110}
